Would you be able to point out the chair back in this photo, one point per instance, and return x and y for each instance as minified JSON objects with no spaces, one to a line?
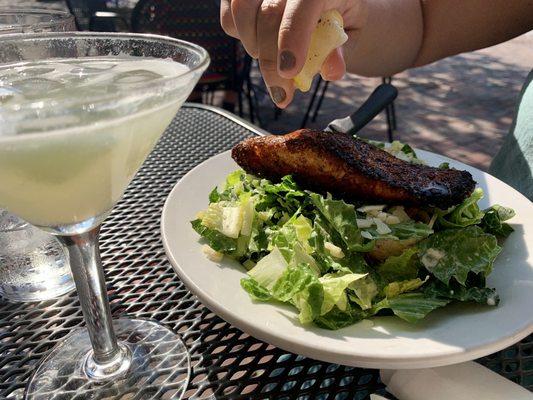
{"x":196,"y":21}
{"x":83,"y":10}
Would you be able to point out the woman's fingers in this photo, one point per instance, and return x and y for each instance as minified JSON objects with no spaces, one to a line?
{"x":226,"y":19}
{"x":334,"y":66}
{"x":244,"y":14}
{"x":278,"y":33}
{"x":297,"y":25}
{"x":268,"y":19}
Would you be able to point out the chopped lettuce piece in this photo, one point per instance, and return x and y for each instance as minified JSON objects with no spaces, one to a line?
{"x":457,"y":292}
{"x":255,"y":290}
{"x":398,"y":149}
{"x":493,"y":221}
{"x":336,"y":318}
{"x":297,"y":230}
{"x":231,"y":221}
{"x":410,"y":230}
{"x":400,"y":268}
{"x":216,"y":240}
{"x":300,"y":256}
{"x":454,"y":253}
{"x":269,"y":269}
{"x":214,"y":196}
{"x":403,"y":230}
{"x":248,"y":214}
{"x":465,"y":214}
{"x":341,"y":217}
{"x":334,"y":286}
{"x":411,"y":307}
{"x":364,"y":292}
{"x":292,"y":281}
{"x":309,"y":302}
{"x":393,"y":289}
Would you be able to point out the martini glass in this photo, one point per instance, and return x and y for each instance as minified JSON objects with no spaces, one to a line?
{"x":70,"y":143}
{"x":33,"y":264}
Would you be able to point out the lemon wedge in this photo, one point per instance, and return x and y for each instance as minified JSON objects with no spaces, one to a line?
{"x":327,"y":36}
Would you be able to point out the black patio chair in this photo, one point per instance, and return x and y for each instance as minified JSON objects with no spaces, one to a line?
{"x":198,"y":21}
{"x":94,"y":15}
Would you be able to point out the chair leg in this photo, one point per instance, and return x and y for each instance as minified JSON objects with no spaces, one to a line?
{"x":320,"y":100}
{"x":389,"y":124}
{"x":255,"y":102}
{"x":277,"y":113}
{"x":312,"y":102}
{"x":393,"y":114}
{"x":390,"y":112}
{"x":239,"y":104}
{"x":250,"y":100}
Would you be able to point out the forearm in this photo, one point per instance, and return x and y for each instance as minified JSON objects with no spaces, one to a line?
{"x":389,"y":40}
{"x":400,"y":34}
{"x":456,"y":26}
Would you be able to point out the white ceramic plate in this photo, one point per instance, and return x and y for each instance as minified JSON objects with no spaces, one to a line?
{"x":450,"y":335}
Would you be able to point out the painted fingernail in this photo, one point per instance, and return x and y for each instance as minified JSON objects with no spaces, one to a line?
{"x":278,"y":94}
{"x":287,"y":61}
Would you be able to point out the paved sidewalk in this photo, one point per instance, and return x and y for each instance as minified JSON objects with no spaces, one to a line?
{"x":461,"y":107}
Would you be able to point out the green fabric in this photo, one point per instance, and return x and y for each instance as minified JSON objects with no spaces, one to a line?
{"x":514,"y":162}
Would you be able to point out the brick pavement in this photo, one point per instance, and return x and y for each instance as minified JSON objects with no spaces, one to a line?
{"x":461,"y":107}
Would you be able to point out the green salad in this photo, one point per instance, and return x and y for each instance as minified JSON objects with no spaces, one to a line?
{"x":338,"y":263}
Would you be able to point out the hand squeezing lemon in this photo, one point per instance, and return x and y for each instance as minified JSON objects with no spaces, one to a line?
{"x":327,"y":36}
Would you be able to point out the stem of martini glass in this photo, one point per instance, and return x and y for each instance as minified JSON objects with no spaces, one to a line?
{"x":108,"y":357}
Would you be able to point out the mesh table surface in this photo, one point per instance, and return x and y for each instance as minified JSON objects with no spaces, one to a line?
{"x":227,"y":363}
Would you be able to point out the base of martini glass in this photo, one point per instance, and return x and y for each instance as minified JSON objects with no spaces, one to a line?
{"x":154,"y":364}
{"x":123,"y":358}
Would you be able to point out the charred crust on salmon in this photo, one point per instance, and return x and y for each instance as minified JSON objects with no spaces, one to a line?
{"x":351,"y":168}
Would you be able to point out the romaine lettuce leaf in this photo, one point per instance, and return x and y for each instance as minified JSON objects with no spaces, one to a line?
{"x":400,"y":268}
{"x":341,"y":217}
{"x":411,"y":307}
{"x":269,"y":269}
{"x":492,"y":221}
{"x":336,"y":318}
{"x":352,"y":262}
{"x":214,"y":196}
{"x":334,"y":286}
{"x":454,"y":253}
{"x":465,"y":214}
{"x":255,"y":290}
{"x":394,"y":289}
{"x":364,"y":291}
{"x":309,"y":302}
{"x":299,"y":256}
{"x":216,"y":240}
{"x":294,"y":280}
{"x":455,"y":291}
{"x":403,"y":230}
{"x":411,"y":229}
{"x":285,"y":195}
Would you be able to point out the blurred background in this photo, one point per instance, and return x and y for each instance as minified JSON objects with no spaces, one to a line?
{"x":461,"y":107}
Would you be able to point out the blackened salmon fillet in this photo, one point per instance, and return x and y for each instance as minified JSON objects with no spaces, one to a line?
{"x":351,"y":169}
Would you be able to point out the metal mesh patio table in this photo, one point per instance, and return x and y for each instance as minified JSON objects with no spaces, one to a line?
{"x":227,"y":363}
